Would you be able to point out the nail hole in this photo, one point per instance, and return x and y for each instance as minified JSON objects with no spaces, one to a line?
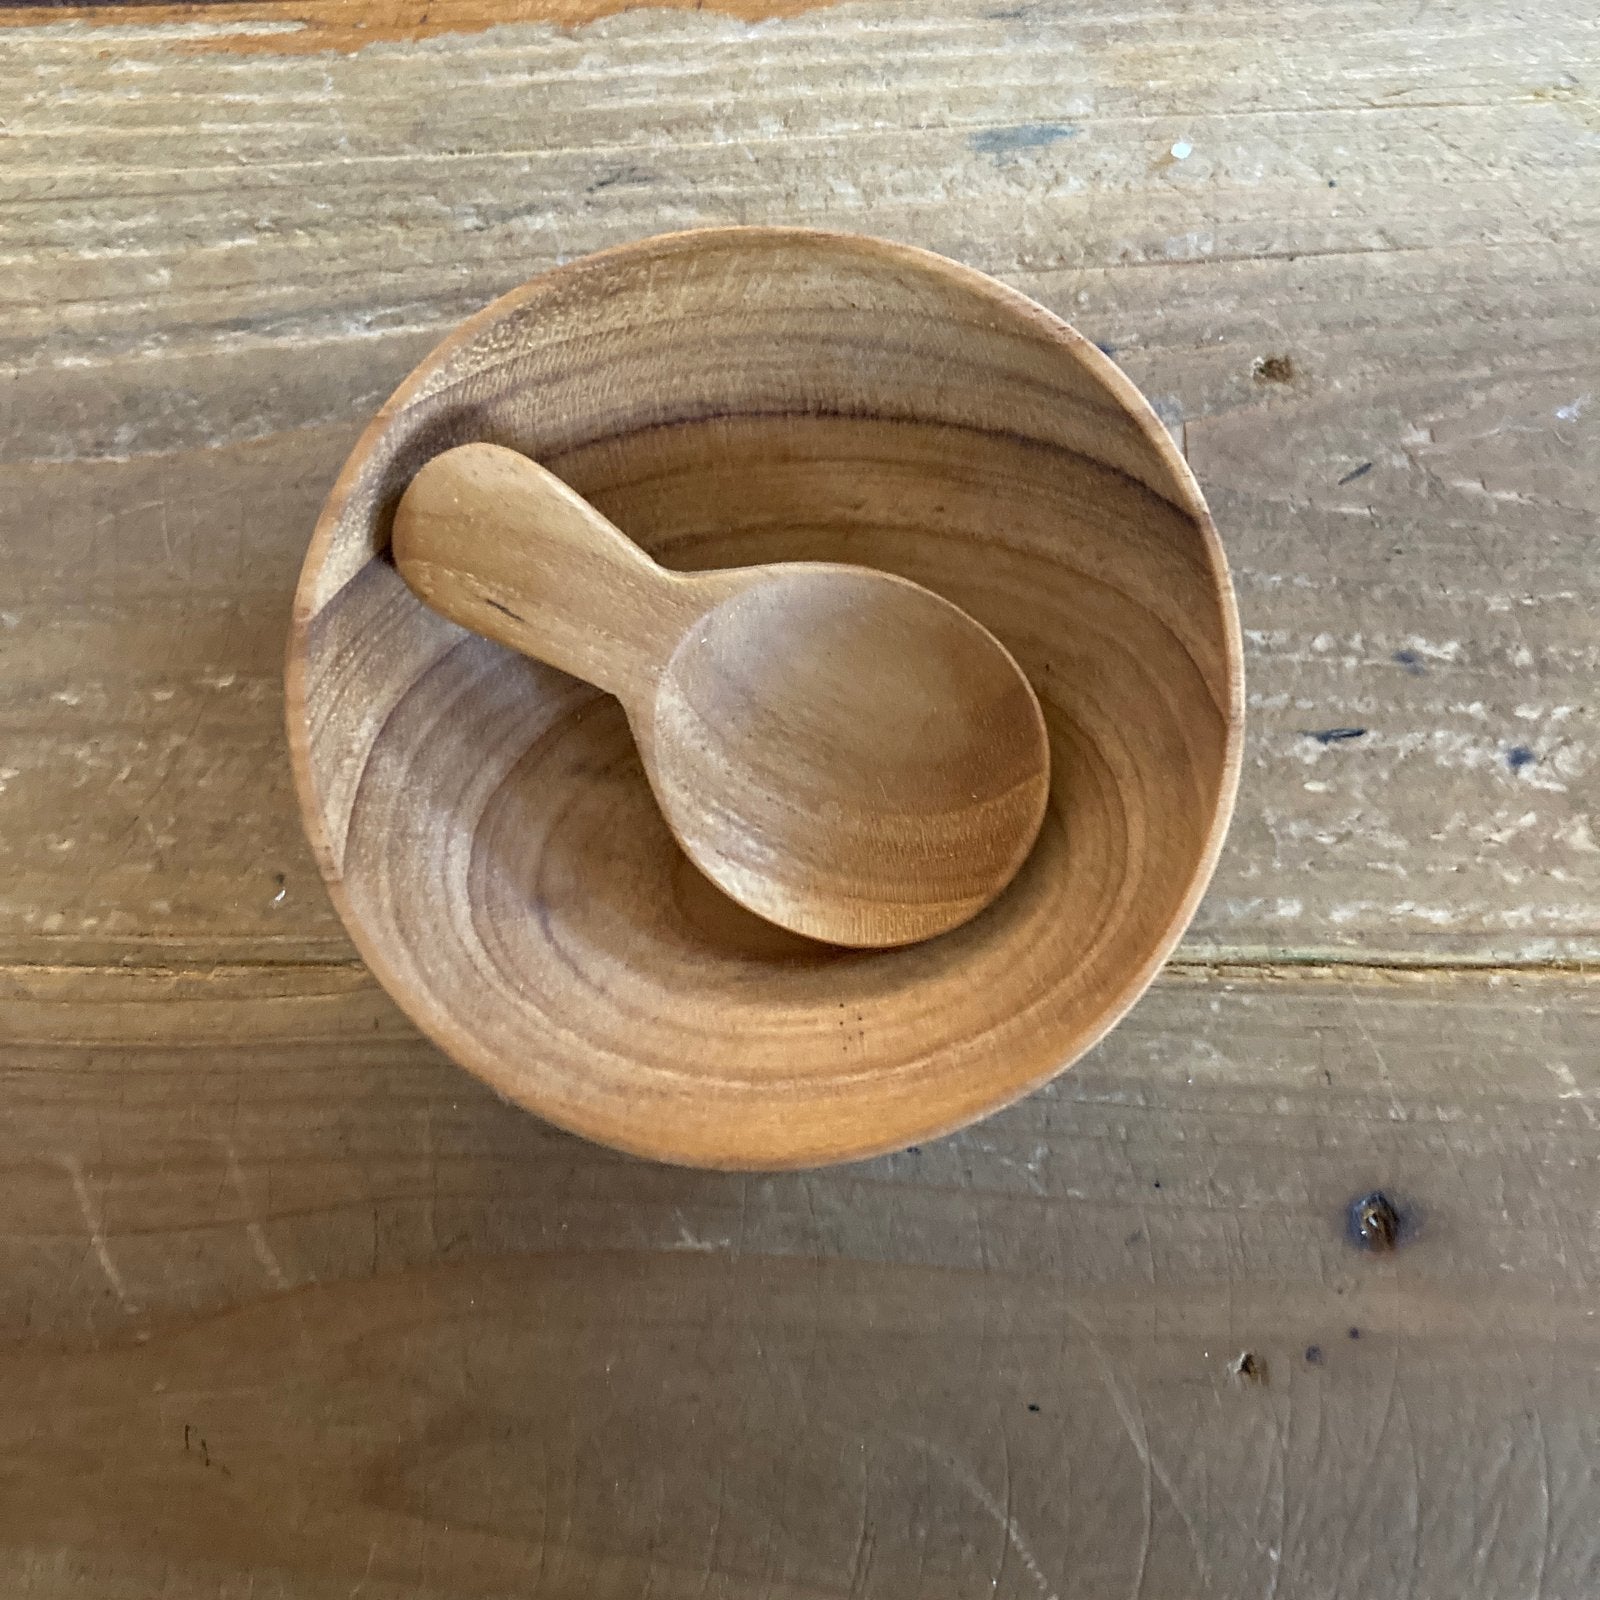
{"x":1375,"y":1222}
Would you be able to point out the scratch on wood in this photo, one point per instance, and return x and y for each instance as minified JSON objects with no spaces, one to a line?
{"x":366,"y":1572}
{"x":252,"y":1227}
{"x":1132,"y":1420}
{"x":1003,"y":1518}
{"x":97,"y":1235}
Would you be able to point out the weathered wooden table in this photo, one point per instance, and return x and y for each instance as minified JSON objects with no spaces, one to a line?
{"x":292,"y":1307}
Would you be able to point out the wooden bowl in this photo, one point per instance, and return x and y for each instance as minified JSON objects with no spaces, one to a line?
{"x":731,"y":396}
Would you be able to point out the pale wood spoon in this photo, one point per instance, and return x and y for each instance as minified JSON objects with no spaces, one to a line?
{"x":841,"y":751}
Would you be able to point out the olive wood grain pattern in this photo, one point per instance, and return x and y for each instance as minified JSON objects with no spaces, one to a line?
{"x":733,"y":397}
{"x":840,"y":751}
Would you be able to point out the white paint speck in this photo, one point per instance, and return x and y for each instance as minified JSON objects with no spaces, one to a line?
{"x":1182,"y":150}
{"x":1574,"y":409}
{"x":1578,"y":835}
{"x":1450,"y":650}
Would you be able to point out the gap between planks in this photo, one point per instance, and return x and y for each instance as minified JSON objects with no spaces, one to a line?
{"x":1309,"y":967}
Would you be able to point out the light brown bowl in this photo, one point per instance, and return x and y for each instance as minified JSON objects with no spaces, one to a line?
{"x":733,"y":396}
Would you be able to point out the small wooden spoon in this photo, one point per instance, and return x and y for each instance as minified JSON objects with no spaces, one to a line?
{"x":841,"y":751}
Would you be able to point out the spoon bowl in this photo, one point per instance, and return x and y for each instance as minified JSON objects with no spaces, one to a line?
{"x":849,"y":756}
{"x":839,"y":750}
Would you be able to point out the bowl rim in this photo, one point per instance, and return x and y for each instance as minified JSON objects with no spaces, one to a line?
{"x":457,"y":1043}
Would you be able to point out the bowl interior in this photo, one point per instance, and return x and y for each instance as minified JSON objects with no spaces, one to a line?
{"x":741,"y":396}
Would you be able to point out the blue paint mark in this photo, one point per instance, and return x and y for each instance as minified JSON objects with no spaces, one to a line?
{"x":1360,"y":472}
{"x":1026,"y":136}
{"x":1335,"y":735}
{"x":1105,"y":349}
{"x":1411,"y":661}
{"x":1520,"y":756}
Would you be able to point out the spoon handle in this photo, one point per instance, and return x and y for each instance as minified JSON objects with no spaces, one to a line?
{"x":497,"y":544}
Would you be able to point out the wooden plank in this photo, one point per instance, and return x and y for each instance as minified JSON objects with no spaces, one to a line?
{"x":292,"y":1306}
{"x":301,"y":26}
{"x":1379,"y":248}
